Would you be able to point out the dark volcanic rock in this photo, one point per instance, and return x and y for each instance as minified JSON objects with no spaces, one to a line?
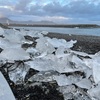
{"x":30,"y":73}
{"x":45,"y":91}
{"x":4,"y":26}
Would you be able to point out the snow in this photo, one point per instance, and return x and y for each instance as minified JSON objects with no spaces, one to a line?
{"x":5,"y":91}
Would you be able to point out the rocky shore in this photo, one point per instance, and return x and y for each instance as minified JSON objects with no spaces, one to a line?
{"x":44,"y":66}
{"x":85,"y":43}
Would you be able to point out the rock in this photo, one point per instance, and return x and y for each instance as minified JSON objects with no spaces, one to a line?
{"x":45,"y":91}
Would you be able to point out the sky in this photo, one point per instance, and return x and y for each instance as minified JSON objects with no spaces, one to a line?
{"x":58,"y":11}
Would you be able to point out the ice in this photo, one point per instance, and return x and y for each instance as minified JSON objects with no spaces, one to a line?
{"x":44,"y":76}
{"x":67,"y":91}
{"x":95,"y":92}
{"x":60,"y":52}
{"x":95,"y":66}
{"x":42,"y":64}
{"x":96,"y":72}
{"x":62,"y":80}
{"x":32,"y":51}
{"x":4,"y":43}
{"x":61,"y":65}
{"x":14,"y":54}
{"x":33,"y":33}
{"x":84,"y":83}
{"x":15,"y":36}
{"x":17,"y":72}
{"x":44,"y":46}
{"x":44,"y":32}
{"x":1,"y":31}
{"x":61,"y":42}
{"x":78,"y":62}
{"x":80,"y":53}
{"x":5,"y":91}
{"x":54,"y":60}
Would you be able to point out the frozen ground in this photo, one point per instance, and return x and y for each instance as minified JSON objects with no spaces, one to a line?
{"x":38,"y":67}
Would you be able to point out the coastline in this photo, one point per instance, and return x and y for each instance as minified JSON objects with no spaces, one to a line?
{"x":85,"y":43}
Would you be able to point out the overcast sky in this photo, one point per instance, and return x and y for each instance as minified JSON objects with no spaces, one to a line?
{"x":60,"y":11}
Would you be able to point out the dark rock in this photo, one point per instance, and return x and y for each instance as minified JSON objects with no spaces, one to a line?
{"x":46,"y":91}
{"x":27,"y":37}
{"x":30,"y":73}
{"x":26,"y":45}
{"x":4,"y":26}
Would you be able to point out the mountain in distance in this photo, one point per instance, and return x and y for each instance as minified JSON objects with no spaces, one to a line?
{"x":5,"y":20}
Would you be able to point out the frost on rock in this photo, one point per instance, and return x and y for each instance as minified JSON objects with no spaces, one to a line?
{"x":5,"y":91}
{"x":10,"y":54}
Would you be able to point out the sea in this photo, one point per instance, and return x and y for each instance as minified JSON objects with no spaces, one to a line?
{"x":75,"y":31}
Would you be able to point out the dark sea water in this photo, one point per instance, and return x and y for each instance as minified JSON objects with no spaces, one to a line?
{"x":77,"y":31}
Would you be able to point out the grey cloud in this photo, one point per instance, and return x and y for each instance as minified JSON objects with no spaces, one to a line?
{"x":81,"y":9}
{"x":78,"y":9}
{"x":22,"y":5}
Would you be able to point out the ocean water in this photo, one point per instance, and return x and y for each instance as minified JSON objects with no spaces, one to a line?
{"x":76,"y":31}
